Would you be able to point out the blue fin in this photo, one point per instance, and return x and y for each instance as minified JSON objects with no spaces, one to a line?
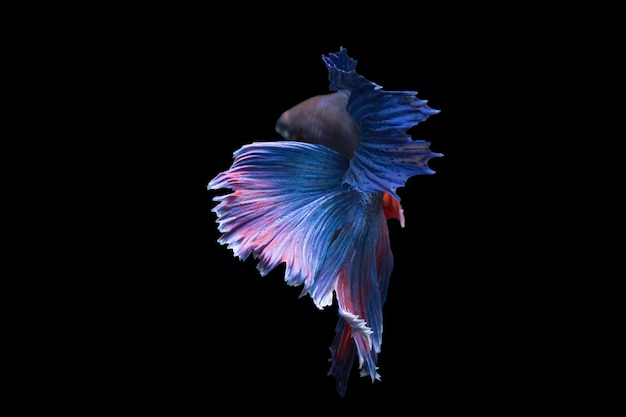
{"x":387,"y":156}
{"x":289,"y":206}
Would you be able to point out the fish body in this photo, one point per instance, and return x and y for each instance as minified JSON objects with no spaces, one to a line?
{"x":319,"y":200}
{"x":323,"y":120}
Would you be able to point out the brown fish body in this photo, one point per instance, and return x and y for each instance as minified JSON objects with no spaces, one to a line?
{"x":322,"y":120}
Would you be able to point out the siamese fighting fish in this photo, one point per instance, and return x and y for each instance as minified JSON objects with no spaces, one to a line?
{"x":318,"y":200}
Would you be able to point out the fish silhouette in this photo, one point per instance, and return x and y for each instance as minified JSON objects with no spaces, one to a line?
{"x":318,"y":201}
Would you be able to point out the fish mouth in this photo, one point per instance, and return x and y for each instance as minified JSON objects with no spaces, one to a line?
{"x":281,"y":126}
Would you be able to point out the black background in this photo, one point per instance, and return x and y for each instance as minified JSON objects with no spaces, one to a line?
{"x":183,"y":325}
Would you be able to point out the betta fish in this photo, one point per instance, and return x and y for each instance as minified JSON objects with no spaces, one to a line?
{"x":318,"y":201}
